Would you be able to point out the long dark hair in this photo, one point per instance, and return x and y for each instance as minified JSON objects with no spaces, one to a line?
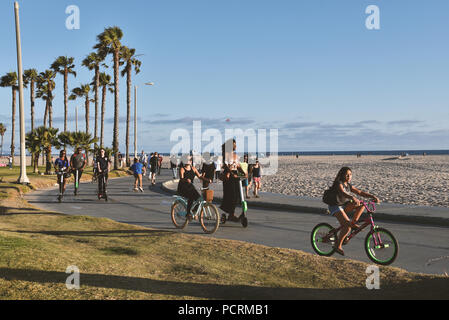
{"x":225,"y":147}
{"x":341,"y":176}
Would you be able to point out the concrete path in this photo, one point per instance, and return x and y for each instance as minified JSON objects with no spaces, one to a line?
{"x":423,"y":248}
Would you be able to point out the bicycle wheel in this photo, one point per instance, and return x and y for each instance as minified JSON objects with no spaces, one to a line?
{"x":178,"y":215}
{"x":381,"y":247}
{"x":209,"y":218}
{"x":323,"y":239}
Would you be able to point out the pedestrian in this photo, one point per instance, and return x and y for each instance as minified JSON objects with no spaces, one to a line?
{"x":207,"y":170}
{"x":154,"y":161}
{"x":245,"y":168}
{"x":143,"y":158}
{"x":10,"y":162}
{"x":257,"y":175}
{"x":231,"y":180}
{"x":138,"y":170}
{"x":217,"y":163}
{"x":159,"y":164}
{"x":174,"y":166}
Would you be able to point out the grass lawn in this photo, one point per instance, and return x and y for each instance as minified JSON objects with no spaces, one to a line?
{"x":120,"y":261}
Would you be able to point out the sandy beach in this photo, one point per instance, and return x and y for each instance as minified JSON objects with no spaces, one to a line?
{"x":413,"y":180}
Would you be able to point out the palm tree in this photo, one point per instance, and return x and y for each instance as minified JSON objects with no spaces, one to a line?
{"x":105,"y":83}
{"x":44,"y":139}
{"x":78,"y":139}
{"x":64,"y":65}
{"x":45,"y":87}
{"x":2,"y":133}
{"x":31,"y":76}
{"x":129,"y":57}
{"x":83,"y":92}
{"x":92,"y":62}
{"x":10,"y":80}
{"x":34,"y":147}
{"x":109,"y":42}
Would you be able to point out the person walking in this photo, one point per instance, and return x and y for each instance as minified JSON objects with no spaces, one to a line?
{"x":154,"y":161}
{"x":138,"y":170}
{"x":231,"y":179}
{"x":257,"y":175}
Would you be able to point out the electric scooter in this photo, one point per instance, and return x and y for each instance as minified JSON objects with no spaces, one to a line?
{"x":243,"y":219}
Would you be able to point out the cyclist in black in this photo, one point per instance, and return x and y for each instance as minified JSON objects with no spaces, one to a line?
{"x":78,"y":163}
{"x":103,"y":167}
{"x":62,"y":167}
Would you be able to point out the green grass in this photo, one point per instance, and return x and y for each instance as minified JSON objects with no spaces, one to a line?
{"x":119,"y":261}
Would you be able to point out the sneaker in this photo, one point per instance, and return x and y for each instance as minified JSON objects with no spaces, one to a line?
{"x":141,"y":190}
{"x":135,"y":189}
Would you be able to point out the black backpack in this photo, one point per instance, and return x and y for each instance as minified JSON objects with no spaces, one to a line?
{"x":330,"y":196}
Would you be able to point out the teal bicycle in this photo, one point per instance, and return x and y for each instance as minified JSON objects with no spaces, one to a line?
{"x":203,"y":211}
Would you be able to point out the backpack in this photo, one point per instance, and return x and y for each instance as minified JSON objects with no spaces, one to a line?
{"x":78,"y":161}
{"x":330,"y":196}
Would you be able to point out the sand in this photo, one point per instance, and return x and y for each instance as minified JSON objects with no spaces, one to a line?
{"x":414,"y":180}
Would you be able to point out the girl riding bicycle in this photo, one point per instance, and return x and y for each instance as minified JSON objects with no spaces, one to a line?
{"x":347,"y":203}
{"x":186,"y":188}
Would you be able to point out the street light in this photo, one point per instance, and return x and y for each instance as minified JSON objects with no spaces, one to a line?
{"x":23,"y":179}
{"x":135,"y":116}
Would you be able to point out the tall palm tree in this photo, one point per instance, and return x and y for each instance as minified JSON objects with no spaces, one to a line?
{"x":2,"y":133}
{"x":31,"y":76}
{"x":93,"y":62}
{"x":10,"y":80}
{"x":109,"y":42}
{"x":45,"y":87}
{"x":83,"y":91}
{"x":129,"y":60}
{"x":105,"y":83}
{"x":64,"y":65}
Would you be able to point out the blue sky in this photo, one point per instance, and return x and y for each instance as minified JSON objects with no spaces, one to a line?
{"x":309,"y":68}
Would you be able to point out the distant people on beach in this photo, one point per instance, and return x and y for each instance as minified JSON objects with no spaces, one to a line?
{"x":346,"y":203}
{"x":174,"y":166}
{"x":218,"y":168}
{"x":245,"y":168}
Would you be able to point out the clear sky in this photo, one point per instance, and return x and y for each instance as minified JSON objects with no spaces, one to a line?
{"x":309,"y":68}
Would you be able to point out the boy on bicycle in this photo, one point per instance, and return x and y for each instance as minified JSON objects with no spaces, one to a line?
{"x":62,"y":167}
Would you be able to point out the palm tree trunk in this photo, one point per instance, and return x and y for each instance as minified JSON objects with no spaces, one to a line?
{"x":50,"y":108}
{"x":128,"y":110}
{"x":32,"y":99}
{"x":13,"y":129}
{"x":97,"y":84}
{"x":103,"y":102}
{"x":46,"y":113}
{"x":86,"y":104}
{"x":116,"y":108}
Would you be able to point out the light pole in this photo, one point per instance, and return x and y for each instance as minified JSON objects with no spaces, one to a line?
{"x":23,"y":179}
{"x":76,"y":118}
{"x":135,"y":116}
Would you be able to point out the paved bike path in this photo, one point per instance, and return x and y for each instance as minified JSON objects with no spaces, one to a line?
{"x":422,"y":248}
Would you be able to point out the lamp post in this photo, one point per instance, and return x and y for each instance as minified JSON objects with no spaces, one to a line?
{"x":135,"y":116}
{"x":23,"y":178}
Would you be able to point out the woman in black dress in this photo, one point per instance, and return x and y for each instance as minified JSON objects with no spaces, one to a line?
{"x":231,"y":180}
